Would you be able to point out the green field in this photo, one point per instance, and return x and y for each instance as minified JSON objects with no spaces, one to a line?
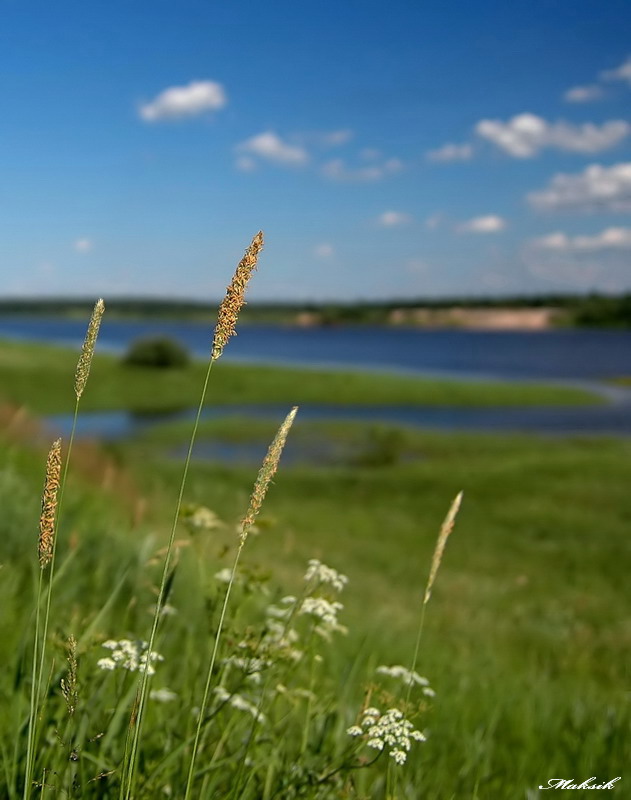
{"x":526,"y":641}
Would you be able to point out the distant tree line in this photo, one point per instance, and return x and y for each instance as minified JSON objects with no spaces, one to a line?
{"x":593,"y":310}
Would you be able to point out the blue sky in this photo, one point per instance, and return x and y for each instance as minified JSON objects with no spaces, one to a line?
{"x":387,"y":150}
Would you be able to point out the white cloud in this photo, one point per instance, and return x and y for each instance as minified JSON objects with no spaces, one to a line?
{"x":525,"y":135}
{"x":490,"y":223}
{"x":609,"y":239}
{"x":450,"y":152}
{"x":393,"y":219}
{"x":583,"y":94}
{"x":369,"y":154}
{"x":270,"y":147}
{"x":185,"y":101}
{"x":337,"y":170}
{"x":621,"y":73}
{"x":434,"y":220}
{"x":83,"y":245}
{"x":336,"y":138}
{"x":323,"y":250}
{"x":597,"y":188}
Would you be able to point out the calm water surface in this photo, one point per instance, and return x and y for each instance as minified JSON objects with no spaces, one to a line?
{"x":566,"y":356}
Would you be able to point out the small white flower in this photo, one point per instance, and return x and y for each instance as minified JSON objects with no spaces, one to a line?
{"x":390,"y":730}
{"x":224,"y":575}
{"x":399,"y":756}
{"x":203,"y":519}
{"x":163,"y":695}
{"x":239,"y":702}
{"x":408,"y":677}
{"x":324,"y":574}
{"x":129,"y":655}
{"x":321,"y":608}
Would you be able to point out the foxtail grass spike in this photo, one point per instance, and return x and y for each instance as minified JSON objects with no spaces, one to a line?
{"x":235,"y":297}
{"x":49,"y":505}
{"x":87,"y":349}
{"x":266,"y":473}
{"x":445,"y":530}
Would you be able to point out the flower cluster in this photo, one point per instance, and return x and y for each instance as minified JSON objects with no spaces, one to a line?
{"x":129,"y":655}
{"x":324,"y":574}
{"x":239,"y":702}
{"x":389,"y":730}
{"x":325,"y":611}
{"x":408,"y":678}
{"x":200,"y":519}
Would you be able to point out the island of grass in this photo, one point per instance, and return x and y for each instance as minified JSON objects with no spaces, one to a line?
{"x":36,"y":376}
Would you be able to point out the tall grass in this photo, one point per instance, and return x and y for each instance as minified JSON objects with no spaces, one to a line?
{"x":250,"y":685}
{"x":271,"y":651}
{"x":49,"y":521}
{"x":225,"y":328}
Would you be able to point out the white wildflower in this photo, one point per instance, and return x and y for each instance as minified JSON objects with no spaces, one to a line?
{"x":168,"y":611}
{"x":324,"y":574}
{"x":224,"y":575}
{"x":163,"y":695}
{"x":239,"y":702}
{"x":129,"y":655}
{"x":203,"y":519}
{"x":408,"y":677}
{"x":321,"y":608}
{"x":399,"y":756}
{"x":389,"y":731}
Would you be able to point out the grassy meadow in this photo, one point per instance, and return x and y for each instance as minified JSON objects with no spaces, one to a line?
{"x":526,"y":640}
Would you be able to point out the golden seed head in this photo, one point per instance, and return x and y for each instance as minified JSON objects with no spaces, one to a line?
{"x":445,"y":530}
{"x":87,"y":349}
{"x":235,"y":296}
{"x":69,"y":687}
{"x":49,"y":504}
{"x":266,"y":473}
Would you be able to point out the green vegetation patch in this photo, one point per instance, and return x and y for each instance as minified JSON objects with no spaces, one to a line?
{"x":37,"y":376}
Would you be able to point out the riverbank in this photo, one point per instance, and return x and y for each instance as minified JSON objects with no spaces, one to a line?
{"x":36,"y":375}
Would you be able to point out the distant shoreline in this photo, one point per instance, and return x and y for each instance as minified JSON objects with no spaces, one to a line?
{"x":502,"y":314}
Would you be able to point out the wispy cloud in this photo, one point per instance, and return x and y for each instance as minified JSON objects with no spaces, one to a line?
{"x":526,"y":135}
{"x":178,"y":102}
{"x":268,"y":146}
{"x":621,"y":73}
{"x":336,"y":138}
{"x":338,"y":170}
{"x":597,"y":188}
{"x":583,"y":94}
{"x":450,"y":152}
{"x":393,"y":219}
{"x":83,"y":245}
{"x":323,"y":250}
{"x":609,"y":239}
{"x":491,"y":223}
{"x":434,"y":220}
